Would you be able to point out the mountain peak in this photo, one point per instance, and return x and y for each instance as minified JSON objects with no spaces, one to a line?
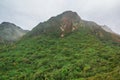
{"x":69,"y":11}
{"x":59,"y":25}
{"x":10,"y":32}
{"x":7,"y":23}
{"x":71,"y":15}
{"x":69,"y":21}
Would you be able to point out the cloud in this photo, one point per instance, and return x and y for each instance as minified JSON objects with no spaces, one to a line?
{"x":28,"y":13}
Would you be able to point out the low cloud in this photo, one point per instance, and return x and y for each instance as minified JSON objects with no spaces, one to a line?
{"x":28,"y":13}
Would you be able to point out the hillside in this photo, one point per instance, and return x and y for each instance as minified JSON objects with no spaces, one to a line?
{"x":57,"y":26}
{"x":67,"y":22}
{"x":68,"y":49}
{"x":9,"y":32}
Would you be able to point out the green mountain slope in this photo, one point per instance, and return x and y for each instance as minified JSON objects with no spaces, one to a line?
{"x":79,"y":55}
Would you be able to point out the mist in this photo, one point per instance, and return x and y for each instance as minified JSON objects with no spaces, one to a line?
{"x":28,"y":13}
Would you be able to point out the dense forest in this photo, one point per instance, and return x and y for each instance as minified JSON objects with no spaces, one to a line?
{"x":78,"y":56}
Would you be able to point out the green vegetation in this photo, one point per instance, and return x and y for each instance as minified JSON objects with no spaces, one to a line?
{"x":77,"y":56}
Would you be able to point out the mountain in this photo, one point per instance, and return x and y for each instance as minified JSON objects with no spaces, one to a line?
{"x":59,"y":25}
{"x":68,"y":22}
{"x":104,"y":33}
{"x":10,"y":32}
{"x":106,"y":28}
{"x":65,"y":47}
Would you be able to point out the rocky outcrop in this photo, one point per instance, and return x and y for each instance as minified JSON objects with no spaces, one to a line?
{"x":69,"y":21}
{"x":67,"y":26}
{"x":58,"y":26}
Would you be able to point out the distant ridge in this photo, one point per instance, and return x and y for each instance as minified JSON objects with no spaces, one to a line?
{"x":65,"y":47}
{"x":9,"y":32}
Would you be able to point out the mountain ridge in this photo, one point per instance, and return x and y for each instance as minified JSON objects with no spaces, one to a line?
{"x":9,"y":32}
{"x":69,"y":21}
{"x":81,"y":54}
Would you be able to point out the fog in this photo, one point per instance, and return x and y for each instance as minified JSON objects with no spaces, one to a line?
{"x":28,"y":13}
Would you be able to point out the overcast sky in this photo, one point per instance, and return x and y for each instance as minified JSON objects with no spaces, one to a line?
{"x":28,"y":13}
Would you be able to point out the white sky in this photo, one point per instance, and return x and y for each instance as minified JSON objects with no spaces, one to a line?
{"x":28,"y":13}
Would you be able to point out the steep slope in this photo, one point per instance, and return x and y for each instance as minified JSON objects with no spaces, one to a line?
{"x":57,"y":26}
{"x":79,"y":55}
{"x":102,"y":32}
{"x":68,"y":22}
{"x":106,"y":28}
{"x":10,"y":32}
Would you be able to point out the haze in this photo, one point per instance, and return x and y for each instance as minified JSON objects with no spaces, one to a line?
{"x":28,"y":13}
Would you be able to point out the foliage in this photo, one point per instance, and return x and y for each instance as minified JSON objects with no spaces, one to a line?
{"x":77,"y":56}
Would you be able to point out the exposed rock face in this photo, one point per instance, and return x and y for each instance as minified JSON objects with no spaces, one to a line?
{"x":59,"y":25}
{"x":68,"y":22}
{"x":10,"y":32}
{"x":67,"y":28}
